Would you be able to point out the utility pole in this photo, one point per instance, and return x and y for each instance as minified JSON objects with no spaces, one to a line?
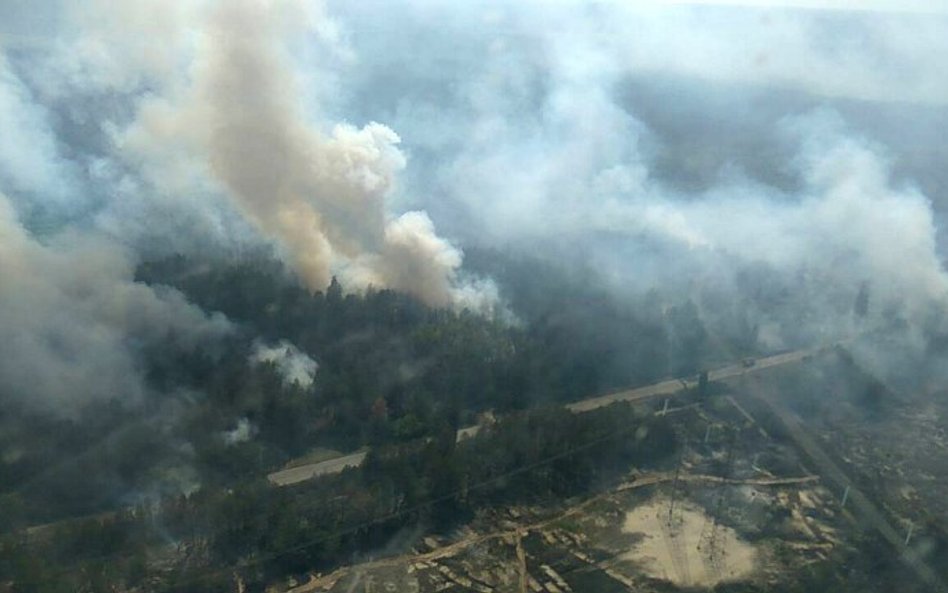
{"x":670,"y":530}
{"x":710,"y":536}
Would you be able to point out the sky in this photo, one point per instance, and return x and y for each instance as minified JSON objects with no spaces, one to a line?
{"x":898,"y":6}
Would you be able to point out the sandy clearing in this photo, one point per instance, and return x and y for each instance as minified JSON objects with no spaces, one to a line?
{"x":674,"y":553}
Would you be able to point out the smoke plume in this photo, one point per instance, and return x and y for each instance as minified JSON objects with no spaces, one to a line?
{"x":321,"y":196}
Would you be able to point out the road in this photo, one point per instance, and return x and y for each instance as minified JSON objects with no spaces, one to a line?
{"x":285,"y":477}
{"x":294,"y":475}
{"x":673,"y":386}
{"x":667,"y":388}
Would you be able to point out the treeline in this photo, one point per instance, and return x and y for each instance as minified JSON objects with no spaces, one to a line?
{"x":570,"y":338}
{"x":198,"y":543}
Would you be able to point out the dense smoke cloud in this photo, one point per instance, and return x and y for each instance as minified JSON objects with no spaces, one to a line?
{"x":766,"y":164}
{"x":30,"y":167}
{"x":770,"y":161}
{"x":205,"y":105}
{"x":75,"y":322}
{"x":133,"y":131}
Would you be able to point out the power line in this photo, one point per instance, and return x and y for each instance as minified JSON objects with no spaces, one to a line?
{"x":429,"y":503}
{"x":354,"y":529}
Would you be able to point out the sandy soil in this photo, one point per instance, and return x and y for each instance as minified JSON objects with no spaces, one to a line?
{"x":679,"y":552}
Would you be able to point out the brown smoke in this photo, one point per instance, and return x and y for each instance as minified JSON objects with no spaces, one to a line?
{"x":321,"y":196}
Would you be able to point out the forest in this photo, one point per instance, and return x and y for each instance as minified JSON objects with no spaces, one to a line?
{"x":97,"y":495}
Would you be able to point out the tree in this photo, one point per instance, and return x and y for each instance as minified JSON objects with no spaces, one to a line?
{"x":703,"y":384}
{"x":334,"y":293}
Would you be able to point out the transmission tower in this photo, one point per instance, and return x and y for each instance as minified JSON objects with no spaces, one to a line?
{"x":671,"y":523}
{"x":709,"y":543}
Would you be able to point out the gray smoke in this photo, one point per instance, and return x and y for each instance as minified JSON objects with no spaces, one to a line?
{"x":74,"y":320}
{"x":766,"y":163}
{"x":768,"y":160}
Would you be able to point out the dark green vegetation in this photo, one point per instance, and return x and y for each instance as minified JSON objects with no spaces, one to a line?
{"x":180,"y":507}
{"x":153,"y":495}
{"x":260,"y":532}
{"x":390,"y":370}
{"x":393,"y":374}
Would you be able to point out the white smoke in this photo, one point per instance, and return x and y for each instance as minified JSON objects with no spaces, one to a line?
{"x":848,"y":221}
{"x":241,"y":433}
{"x":675,"y":150}
{"x":293,"y":365}
{"x":32,"y":173}
{"x":849,"y":224}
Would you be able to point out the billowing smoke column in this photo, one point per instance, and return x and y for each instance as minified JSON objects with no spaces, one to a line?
{"x":322,"y":197}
